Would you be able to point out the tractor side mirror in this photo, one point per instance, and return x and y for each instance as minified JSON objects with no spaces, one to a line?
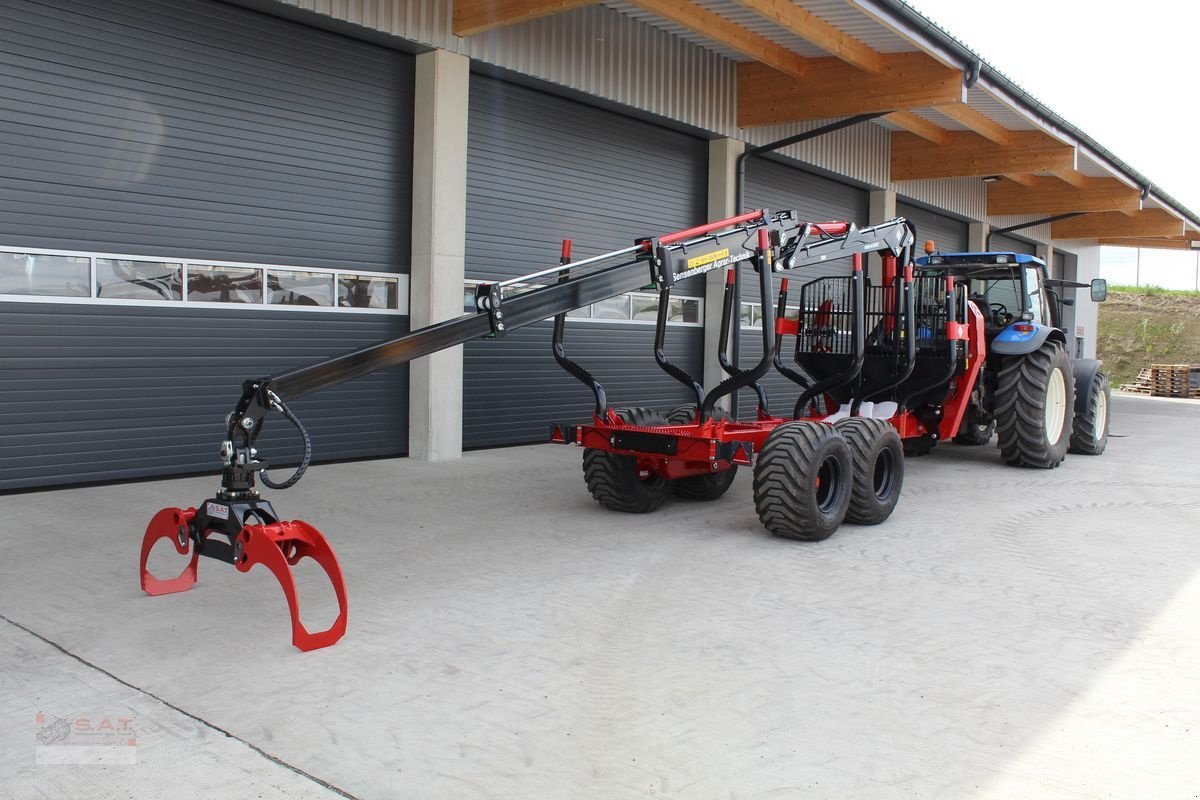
{"x":1099,"y":290}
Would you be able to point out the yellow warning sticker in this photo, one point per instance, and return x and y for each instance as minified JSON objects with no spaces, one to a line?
{"x":700,"y":261}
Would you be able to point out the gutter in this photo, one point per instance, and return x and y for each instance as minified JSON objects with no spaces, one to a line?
{"x":915,"y":25}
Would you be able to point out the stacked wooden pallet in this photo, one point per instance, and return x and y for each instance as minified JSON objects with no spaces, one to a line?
{"x":1170,"y":380}
{"x":1140,"y":386}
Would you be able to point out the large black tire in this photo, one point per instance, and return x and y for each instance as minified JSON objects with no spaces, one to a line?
{"x":974,"y":434}
{"x":700,"y":487}
{"x":803,"y":480}
{"x":613,"y":479}
{"x":877,"y":462}
{"x":1034,"y":401}
{"x":1089,"y":433}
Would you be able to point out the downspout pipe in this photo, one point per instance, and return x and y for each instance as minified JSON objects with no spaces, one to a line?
{"x":987,"y":243}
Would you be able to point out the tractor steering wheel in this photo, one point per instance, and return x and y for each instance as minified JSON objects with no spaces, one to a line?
{"x":1000,"y":313}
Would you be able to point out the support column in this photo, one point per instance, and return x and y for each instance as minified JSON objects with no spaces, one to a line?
{"x":881,"y":207}
{"x":722,"y":190}
{"x":977,"y":234}
{"x":439,"y":224}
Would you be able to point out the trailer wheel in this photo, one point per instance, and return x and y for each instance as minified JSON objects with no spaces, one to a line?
{"x":700,"y":487}
{"x":1034,"y":400}
{"x":877,"y":460}
{"x":1089,"y":432}
{"x":613,"y":479}
{"x":802,"y":481}
{"x":974,"y":434}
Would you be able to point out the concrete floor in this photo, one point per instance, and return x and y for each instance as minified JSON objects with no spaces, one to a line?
{"x":1007,"y":634}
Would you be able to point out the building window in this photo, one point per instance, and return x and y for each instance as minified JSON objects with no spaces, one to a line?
{"x":126,"y":279}
{"x":296,"y":288}
{"x":224,"y":284}
{"x":45,"y":274}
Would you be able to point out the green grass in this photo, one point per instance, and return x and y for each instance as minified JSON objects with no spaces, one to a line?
{"x":1152,"y":291}
{"x":1145,"y":325}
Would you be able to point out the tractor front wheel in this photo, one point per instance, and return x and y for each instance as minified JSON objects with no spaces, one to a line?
{"x":615,"y":481}
{"x":1089,"y":433}
{"x":1034,"y":400}
{"x":878,"y":466}
{"x":803,"y":479}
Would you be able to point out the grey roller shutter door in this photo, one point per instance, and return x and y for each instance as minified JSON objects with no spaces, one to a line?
{"x":1011,"y":244}
{"x":542,"y":169}
{"x":948,"y":234}
{"x":191,"y":129}
{"x":776,"y":186}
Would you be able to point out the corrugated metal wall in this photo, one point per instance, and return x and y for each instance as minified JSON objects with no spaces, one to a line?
{"x":203,"y":130}
{"x":607,"y":54}
{"x":90,"y":394}
{"x":948,"y":234}
{"x":542,"y":169}
{"x":1013,"y":244}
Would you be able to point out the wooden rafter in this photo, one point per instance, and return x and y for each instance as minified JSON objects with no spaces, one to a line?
{"x":1027,"y":181}
{"x":985,"y":126}
{"x":1156,"y":244}
{"x":812,"y":28}
{"x":1047,"y":195}
{"x":833,"y":88}
{"x":1072,"y":177}
{"x":918,"y":125}
{"x":476,"y":16}
{"x":1151,"y":223}
{"x":730,"y":34}
{"x":966,"y":154}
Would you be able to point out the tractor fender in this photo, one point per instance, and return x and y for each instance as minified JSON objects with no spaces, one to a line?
{"x":1085,"y":371}
{"x":1012,"y":342}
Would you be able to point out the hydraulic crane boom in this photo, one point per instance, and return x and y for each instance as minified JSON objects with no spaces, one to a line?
{"x":239,"y":527}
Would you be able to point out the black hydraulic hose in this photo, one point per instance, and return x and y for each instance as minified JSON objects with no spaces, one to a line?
{"x":282,"y":408}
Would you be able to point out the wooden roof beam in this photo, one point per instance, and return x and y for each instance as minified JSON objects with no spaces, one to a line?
{"x":833,"y":88}
{"x":966,"y":154}
{"x":1151,"y":223}
{"x":1157,"y":244}
{"x":730,"y":34}
{"x":811,"y":28}
{"x":918,"y":125}
{"x":1046,"y":195}
{"x":477,"y":16}
{"x":1028,"y":181}
{"x":985,"y":126}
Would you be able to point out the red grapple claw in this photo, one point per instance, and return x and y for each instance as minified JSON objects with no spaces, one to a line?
{"x":280,"y":545}
{"x":170,"y":523}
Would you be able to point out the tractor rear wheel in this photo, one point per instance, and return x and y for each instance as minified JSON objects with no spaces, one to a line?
{"x":803,"y":479}
{"x":615,"y":481}
{"x":1089,"y":433}
{"x":1034,"y":400}
{"x":877,"y":459}
{"x":700,"y":487}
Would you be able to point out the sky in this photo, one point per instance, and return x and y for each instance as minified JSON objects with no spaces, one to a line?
{"x":1124,"y":73}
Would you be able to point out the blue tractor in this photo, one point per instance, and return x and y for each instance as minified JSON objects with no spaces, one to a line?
{"x":1031,"y":392}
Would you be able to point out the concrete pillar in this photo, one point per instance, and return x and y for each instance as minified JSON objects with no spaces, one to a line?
{"x":977,"y":234}
{"x":439,"y":222}
{"x":881,"y":207}
{"x":722,"y":190}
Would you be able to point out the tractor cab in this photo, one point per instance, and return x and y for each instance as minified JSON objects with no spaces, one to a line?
{"x":1008,"y":289}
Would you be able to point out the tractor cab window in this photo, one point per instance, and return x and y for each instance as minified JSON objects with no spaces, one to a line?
{"x":1037,"y":299}
{"x":1000,"y":297}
